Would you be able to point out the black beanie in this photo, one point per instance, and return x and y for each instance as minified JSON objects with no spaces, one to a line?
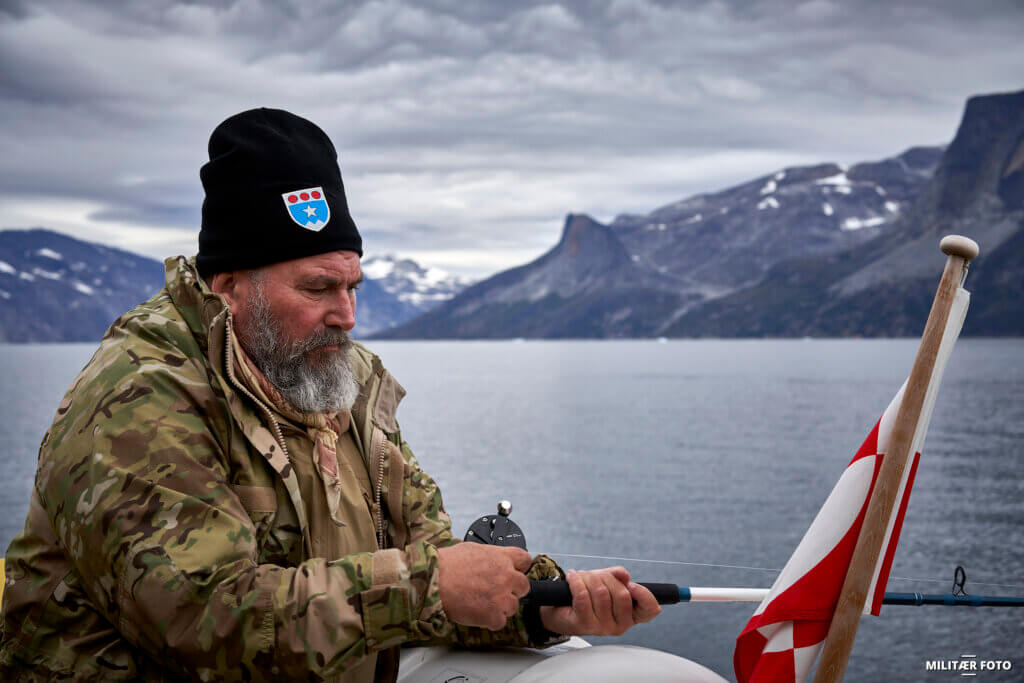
{"x":273,"y":193}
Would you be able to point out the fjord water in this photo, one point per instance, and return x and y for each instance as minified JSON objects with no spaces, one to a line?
{"x":698,"y":453}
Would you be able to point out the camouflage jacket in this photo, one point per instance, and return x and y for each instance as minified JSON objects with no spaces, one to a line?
{"x":166,"y":536}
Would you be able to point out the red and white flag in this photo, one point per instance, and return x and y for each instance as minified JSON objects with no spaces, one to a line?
{"x":783,"y":638}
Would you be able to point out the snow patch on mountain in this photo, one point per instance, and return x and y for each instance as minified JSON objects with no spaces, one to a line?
{"x":859,"y":223}
{"x":377,"y":269}
{"x":839,"y":180}
{"x":412,"y":283}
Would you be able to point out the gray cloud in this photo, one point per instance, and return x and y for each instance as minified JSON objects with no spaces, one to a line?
{"x":474,"y":127}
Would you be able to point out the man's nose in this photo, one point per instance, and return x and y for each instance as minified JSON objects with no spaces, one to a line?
{"x":343,"y":311}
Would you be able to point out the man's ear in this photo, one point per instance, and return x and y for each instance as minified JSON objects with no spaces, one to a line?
{"x":226,"y":285}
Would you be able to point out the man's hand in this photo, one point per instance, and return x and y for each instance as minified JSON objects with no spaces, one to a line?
{"x":481,"y":584}
{"x":602,"y":604}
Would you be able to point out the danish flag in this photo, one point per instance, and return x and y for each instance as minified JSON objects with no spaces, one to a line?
{"x":782,"y":640}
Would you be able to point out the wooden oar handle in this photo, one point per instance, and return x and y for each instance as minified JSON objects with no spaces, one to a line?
{"x":557,"y":593}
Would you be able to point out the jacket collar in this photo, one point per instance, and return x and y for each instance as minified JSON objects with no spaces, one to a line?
{"x":204,"y":312}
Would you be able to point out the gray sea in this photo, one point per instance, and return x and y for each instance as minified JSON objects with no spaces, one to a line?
{"x":702,"y":462}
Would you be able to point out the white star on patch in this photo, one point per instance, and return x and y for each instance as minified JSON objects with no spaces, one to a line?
{"x":310,"y":211}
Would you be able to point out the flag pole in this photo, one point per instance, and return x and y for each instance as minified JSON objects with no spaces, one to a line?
{"x":846,"y":618}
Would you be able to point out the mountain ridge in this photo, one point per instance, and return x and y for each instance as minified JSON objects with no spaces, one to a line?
{"x":818,"y":250}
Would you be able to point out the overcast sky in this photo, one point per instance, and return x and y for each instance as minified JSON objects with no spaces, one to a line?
{"x":467,"y":130}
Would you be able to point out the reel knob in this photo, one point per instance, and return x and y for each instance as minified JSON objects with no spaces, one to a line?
{"x":497,"y":529}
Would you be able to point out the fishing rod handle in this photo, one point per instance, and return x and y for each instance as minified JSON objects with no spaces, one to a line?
{"x":557,"y":593}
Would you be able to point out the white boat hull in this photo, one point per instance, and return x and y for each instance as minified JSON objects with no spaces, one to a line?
{"x":575,"y":660}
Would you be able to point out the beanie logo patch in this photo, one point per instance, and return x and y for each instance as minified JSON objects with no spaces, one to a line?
{"x":308,"y":208}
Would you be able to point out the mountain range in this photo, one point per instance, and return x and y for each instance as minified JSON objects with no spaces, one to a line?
{"x":821,"y":250}
{"x":809,"y":251}
{"x":55,"y":288}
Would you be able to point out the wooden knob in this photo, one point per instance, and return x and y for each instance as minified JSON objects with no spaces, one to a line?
{"x":958,"y":245}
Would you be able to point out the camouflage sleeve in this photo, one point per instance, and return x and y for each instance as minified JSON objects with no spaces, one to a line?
{"x":429,"y":523}
{"x":136,"y":485}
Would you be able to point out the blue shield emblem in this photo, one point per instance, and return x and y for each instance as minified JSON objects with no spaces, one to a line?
{"x":308,"y":207}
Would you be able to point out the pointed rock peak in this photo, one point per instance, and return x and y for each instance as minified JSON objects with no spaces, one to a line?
{"x":583,"y":234}
{"x":577,"y":223}
{"x":587,"y":245}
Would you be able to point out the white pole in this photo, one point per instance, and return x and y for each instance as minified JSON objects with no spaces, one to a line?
{"x":717,"y":594}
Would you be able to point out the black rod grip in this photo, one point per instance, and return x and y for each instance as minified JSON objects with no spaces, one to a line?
{"x":557,"y":593}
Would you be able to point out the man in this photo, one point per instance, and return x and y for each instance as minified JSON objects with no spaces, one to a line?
{"x":225,"y":493}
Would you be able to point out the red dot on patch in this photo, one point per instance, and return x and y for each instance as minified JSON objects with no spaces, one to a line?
{"x":292,"y":199}
{"x":316,"y":195}
{"x":305,"y":196}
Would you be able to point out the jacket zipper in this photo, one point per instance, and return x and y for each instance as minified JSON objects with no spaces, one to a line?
{"x":228,"y":345}
{"x":379,"y":489}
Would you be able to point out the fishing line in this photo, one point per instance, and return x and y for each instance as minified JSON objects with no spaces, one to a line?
{"x":638,"y":559}
{"x":760,"y":569}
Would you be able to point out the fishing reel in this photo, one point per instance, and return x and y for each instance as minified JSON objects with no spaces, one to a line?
{"x":500,"y":530}
{"x":497,"y":529}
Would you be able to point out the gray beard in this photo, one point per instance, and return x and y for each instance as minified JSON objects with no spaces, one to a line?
{"x":325,"y":387}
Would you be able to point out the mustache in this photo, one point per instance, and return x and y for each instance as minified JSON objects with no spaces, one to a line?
{"x":322,"y":337}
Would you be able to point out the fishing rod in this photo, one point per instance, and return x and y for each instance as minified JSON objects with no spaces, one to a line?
{"x":500,"y":530}
{"x":556,"y":594}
